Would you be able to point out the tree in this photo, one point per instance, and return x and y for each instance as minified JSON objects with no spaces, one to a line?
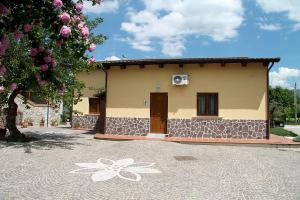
{"x":42,"y":48}
{"x":281,"y":103}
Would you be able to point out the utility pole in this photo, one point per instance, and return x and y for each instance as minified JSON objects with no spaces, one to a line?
{"x":295,"y":102}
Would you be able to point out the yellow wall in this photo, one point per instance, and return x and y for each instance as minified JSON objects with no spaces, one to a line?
{"x":95,"y":79}
{"x":242,"y":90}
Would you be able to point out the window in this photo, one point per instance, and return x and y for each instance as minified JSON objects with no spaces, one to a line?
{"x":207,"y":104}
{"x":94,"y":105}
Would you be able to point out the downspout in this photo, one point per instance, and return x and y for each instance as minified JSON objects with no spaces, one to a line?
{"x":48,"y":109}
{"x":103,"y":111}
{"x":268,"y":103}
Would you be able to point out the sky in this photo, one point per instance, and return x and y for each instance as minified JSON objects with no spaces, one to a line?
{"x":140,"y":29}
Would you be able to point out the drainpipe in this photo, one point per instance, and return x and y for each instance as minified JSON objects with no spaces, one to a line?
{"x":103,"y":112}
{"x":48,"y":112}
{"x":268,"y":102}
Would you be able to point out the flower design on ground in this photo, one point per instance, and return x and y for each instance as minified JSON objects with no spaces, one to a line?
{"x":106,"y":169}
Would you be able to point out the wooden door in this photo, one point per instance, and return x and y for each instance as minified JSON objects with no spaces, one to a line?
{"x":158,"y":112}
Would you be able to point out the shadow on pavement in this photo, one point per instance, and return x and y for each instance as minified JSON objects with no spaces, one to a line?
{"x":45,"y":141}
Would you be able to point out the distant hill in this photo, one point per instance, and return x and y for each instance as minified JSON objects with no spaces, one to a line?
{"x":298,"y":92}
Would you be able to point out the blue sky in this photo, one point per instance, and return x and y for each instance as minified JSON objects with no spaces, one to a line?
{"x":203,"y":28}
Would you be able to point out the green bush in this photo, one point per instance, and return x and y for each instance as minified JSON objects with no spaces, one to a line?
{"x":65,"y":116}
{"x":297,"y":139}
{"x":282,"y":132}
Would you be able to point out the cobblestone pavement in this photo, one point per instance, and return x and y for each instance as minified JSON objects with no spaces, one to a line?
{"x":40,"y":169}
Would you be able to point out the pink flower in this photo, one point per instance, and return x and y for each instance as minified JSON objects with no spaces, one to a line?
{"x":40,"y":82}
{"x":41,"y":49}
{"x":76,"y":18}
{"x":44,"y":67}
{"x":81,"y":17}
{"x":2,"y":89}
{"x":4,"y":43}
{"x":2,"y":70}
{"x":92,"y":47}
{"x":2,"y":51}
{"x":53,"y":64}
{"x":57,"y":3}
{"x":85,"y":32}
{"x":81,"y":25}
{"x":48,"y":52}
{"x":92,"y":60}
{"x":34,"y":52}
{"x":47,"y":59}
{"x":38,"y":76}
{"x":78,"y":7}
{"x":61,"y":90}
{"x":27,"y":28}
{"x":13,"y":86}
{"x":3,"y":9}
{"x":18,"y":35}
{"x":64,"y":17}
{"x":65,"y":31}
{"x":59,"y":42}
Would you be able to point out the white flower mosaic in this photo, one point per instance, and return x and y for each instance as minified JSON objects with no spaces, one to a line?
{"x":106,"y":169}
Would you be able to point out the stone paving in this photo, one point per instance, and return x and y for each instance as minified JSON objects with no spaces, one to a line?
{"x":41,"y":169}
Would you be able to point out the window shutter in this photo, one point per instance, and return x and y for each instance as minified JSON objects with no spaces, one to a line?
{"x":94,"y":106}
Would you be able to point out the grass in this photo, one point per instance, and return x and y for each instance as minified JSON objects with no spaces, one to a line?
{"x":282,"y":132}
{"x":296,"y":139}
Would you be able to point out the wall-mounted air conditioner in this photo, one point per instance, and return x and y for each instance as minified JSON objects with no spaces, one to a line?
{"x":181,"y":79}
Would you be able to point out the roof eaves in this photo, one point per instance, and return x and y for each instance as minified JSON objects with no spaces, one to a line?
{"x":188,"y":61}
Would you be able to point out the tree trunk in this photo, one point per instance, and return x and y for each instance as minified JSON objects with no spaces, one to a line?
{"x":14,"y":133}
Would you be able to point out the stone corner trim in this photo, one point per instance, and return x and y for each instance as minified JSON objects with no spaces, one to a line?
{"x":217,"y":128}
{"x":127,"y":126}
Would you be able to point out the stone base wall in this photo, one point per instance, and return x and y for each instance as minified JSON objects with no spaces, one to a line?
{"x":197,"y":128}
{"x":90,"y":122}
{"x":217,"y":128}
{"x":127,"y":126}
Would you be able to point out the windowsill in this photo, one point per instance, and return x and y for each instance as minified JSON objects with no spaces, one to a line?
{"x":207,"y":117}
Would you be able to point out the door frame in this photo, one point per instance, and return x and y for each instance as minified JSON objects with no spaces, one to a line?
{"x":167,"y":111}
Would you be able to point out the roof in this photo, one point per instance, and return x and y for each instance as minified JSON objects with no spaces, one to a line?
{"x":189,"y":60}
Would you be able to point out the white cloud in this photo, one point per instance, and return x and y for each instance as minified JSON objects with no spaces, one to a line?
{"x":110,"y":58}
{"x":296,"y":27}
{"x":173,"y":46}
{"x":283,"y":77}
{"x":269,"y":27}
{"x":105,"y":6}
{"x":171,"y":21}
{"x":290,"y":7}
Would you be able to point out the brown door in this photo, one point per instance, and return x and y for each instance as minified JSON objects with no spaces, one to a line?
{"x":158,"y":112}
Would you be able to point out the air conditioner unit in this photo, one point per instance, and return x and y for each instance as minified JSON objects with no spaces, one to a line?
{"x":181,"y":79}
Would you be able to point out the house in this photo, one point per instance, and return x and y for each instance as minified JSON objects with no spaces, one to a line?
{"x":33,"y":111}
{"x":189,"y":97}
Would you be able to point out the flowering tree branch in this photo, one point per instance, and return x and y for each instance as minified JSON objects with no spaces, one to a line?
{"x":43,"y":44}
